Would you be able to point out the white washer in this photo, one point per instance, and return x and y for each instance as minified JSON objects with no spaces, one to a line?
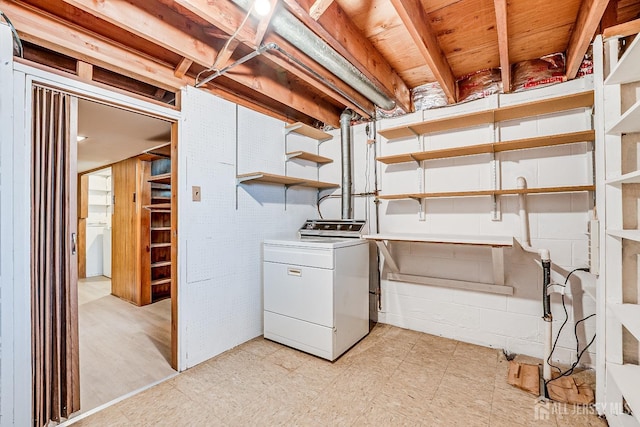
{"x":316,"y":293}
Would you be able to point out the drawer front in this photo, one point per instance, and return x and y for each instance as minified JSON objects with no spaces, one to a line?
{"x":320,"y":258}
{"x":305,"y":336}
{"x":302,"y":292}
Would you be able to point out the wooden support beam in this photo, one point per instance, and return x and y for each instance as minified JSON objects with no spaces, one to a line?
{"x":503,"y":43}
{"x":50,"y":32}
{"x":416,"y":21}
{"x":154,"y":28}
{"x":226,"y":17}
{"x":225,"y":54}
{"x":318,"y":8}
{"x":182,"y":67}
{"x":84,"y":70}
{"x":622,"y":30}
{"x":264,"y":23}
{"x":589,"y":16}
{"x":335,"y":28}
{"x":160,"y":93}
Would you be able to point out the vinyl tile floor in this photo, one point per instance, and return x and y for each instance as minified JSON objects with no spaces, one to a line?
{"x":393,"y":377}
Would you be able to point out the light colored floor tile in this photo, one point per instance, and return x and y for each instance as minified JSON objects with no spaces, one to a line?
{"x":394,"y":377}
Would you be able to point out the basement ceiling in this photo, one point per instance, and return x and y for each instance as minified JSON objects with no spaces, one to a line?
{"x":155,"y":47}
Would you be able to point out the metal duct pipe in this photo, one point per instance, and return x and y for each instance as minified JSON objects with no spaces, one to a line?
{"x":295,"y":32}
{"x":345,"y":142}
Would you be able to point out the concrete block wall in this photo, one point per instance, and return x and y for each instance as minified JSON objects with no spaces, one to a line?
{"x":558,"y":222}
{"x":220,"y":238}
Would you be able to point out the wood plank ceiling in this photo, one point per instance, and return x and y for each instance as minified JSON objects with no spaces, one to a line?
{"x":155,"y":47}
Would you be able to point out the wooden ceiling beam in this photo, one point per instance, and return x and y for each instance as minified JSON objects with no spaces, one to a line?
{"x":335,"y":28}
{"x":622,"y":30}
{"x":318,"y":8}
{"x":227,"y":17}
{"x":52,"y":33}
{"x":154,"y":28}
{"x":182,"y":67}
{"x":416,"y":21}
{"x":589,"y":17}
{"x":263,"y":25}
{"x":503,"y":43}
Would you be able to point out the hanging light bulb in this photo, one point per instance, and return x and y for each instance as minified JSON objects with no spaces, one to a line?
{"x":262,"y":7}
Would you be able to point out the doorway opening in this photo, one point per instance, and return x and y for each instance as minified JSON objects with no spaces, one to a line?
{"x":126,"y":257}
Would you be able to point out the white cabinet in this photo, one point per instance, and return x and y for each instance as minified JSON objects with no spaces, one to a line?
{"x":618,"y":200}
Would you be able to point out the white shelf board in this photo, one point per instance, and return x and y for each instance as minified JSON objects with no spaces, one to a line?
{"x":444,"y":238}
{"x":629,"y":122}
{"x":629,"y":316}
{"x":625,"y":234}
{"x":627,"y":178}
{"x":626,"y":70}
{"x":627,"y":378}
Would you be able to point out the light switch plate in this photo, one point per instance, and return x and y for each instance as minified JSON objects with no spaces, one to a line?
{"x":195,"y":193}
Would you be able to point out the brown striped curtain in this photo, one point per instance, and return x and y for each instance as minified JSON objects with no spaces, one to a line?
{"x":54,"y":300}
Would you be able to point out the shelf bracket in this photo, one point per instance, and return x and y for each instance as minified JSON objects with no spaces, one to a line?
{"x":414,"y":159}
{"x":388,"y":259}
{"x":290,"y":156}
{"x":292,"y":128}
{"x":248,"y":178}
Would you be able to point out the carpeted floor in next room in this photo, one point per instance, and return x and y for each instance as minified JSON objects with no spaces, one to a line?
{"x":393,"y":377}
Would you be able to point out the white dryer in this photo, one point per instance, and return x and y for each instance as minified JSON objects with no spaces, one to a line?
{"x":316,"y":288}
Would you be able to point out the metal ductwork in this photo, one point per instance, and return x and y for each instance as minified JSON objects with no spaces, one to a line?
{"x":295,"y":32}
{"x":345,"y":143}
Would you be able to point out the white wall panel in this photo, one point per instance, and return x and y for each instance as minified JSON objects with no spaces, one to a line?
{"x":220,"y":245}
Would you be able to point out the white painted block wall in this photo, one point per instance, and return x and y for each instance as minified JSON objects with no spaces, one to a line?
{"x":220,"y":238}
{"x":557,"y":222}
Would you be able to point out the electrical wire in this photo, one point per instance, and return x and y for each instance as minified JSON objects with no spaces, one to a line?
{"x":16,"y":37}
{"x":227,"y":43}
{"x":335,"y":196}
{"x":579,"y":353}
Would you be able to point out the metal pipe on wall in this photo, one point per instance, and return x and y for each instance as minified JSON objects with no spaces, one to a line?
{"x":295,"y":32}
{"x":345,"y":145}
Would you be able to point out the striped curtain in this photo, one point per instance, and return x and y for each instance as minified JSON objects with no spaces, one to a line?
{"x":54,"y":303}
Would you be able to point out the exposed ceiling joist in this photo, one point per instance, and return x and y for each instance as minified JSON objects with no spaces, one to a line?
{"x":589,"y":16}
{"x":263,"y":25}
{"x":52,"y":33}
{"x":622,"y":30}
{"x":416,"y":21}
{"x":225,"y":54}
{"x":335,"y":28}
{"x":318,"y":8}
{"x":154,"y":29}
{"x":503,"y":43}
{"x":182,"y":67}
{"x":227,"y":17}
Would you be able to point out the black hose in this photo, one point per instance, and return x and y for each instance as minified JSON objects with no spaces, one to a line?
{"x":546,"y":298}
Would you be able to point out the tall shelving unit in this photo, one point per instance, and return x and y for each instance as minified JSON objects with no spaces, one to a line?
{"x":618,"y":293}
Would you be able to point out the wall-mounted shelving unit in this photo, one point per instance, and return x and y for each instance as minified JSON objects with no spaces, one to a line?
{"x":618,"y":293}
{"x":535,"y":108}
{"x":289,"y":181}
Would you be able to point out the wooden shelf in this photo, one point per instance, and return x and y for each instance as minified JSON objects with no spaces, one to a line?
{"x":626,"y":70}
{"x":160,"y":228}
{"x":627,"y":178}
{"x":545,"y":106}
{"x":161,"y":264}
{"x":164,"y":178}
{"x":267,"y":178}
{"x":629,"y":316}
{"x":304,"y":155}
{"x":493,"y":147}
{"x":625,"y":234}
{"x":475,"y":193}
{"x":629,"y":122}
{"x":627,"y":378}
{"x":306,"y":130}
{"x":159,"y":207}
{"x":162,"y":281}
{"x":160,"y":245}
